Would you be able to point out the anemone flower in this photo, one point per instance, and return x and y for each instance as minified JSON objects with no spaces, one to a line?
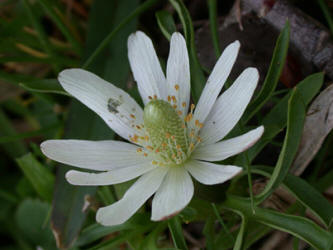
{"x":170,"y":141}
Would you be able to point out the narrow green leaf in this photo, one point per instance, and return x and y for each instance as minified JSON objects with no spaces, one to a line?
{"x":298,"y":226}
{"x":239,"y":244}
{"x":197,"y":75}
{"x":166,"y":23}
{"x":273,"y":74}
{"x":13,"y":138}
{"x":327,"y":14}
{"x":176,"y":231}
{"x":41,"y":34}
{"x":305,"y":193}
{"x":51,"y":9}
{"x":13,"y":149}
{"x":39,"y":176}
{"x":276,"y":120}
{"x":212,"y":9}
{"x":209,"y":233}
{"x":142,"y":8}
{"x":295,"y":123}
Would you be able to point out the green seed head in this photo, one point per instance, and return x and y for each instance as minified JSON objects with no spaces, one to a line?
{"x":166,"y":130}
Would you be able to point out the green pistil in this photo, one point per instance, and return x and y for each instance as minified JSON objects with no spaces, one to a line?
{"x":166,"y":130}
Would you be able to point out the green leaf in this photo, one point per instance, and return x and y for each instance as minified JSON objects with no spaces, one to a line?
{"x":176,"y":231}
{"x":239,"y":244}
{"x":305,"y":193}
{"x":197,"y":75}
{"x":31,"y":218}
{"x":298,"y":226}
{"x":142,"y":8}
{"x":97,"y":231}
{"x":41,"y":34}
{"x":327,"y":14}
{"x":13,"y":149}
{"x":39,"y":176}
{"x":275,"y":121}
{"x":166,"y":23}
{"x":53,"y":12}
{"x":212,"y":9}
{"x":295,"y":123}
{"x":273,"y":74}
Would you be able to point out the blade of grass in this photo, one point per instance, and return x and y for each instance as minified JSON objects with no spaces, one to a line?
{"x":142,"y":8}
{"x":166,"y":23}
{"x":295,"y":123}
{"x":176,"y":231}
{"x":41,"y":35}
{"x":273,"y":74}
{"x":304,"y":193}
{"x":298,"y":226}
{"x":51,"y":10}
{"x":276,"y":120}
{"x":327,"y":14}
{"x":239,"y":244}
{"x":212,"y":9}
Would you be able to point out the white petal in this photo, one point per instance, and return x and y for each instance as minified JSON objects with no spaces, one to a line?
{"x":174,"y":194}
{"x":216,"y":81}
{"x":133,"y":199}
{"x":229,"y":107}
{"x":95,"y":155}
{"x":178,"y":72}
{"x":115,"y":106}
{"x":224,"y":149}
{"x":209,"y":173}
{"x":146,"y":67}
{"x":108,"y":178}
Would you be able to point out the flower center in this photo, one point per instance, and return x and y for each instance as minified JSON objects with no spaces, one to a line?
{"x":167,"y":132}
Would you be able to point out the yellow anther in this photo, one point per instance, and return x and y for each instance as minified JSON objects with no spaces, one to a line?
{"x":154,"y":162}
{"x":138,"y":127}
{"x":149,"y":147}
{"x":178,"y":146}
{"x":139,"y":150}
{"x":189,"y":117}
{"x":179,"y":112}
{"x":167,"y":135}
{"x":176,"y":87}
{"x":155,"y":97}
{"x":174,"y":106}
{"x":184,"y":104}
{"x":164,"y":144}
{"x":169,"y":98}
{"x":173,"y":98}
{"x":198,"y":138}
{"x":150,"y":98}
{"x":197,"y":123}
{"x":132,"y":116}
{"x":145,"y":154}
{"x":146,"y":138}
{"x":201,"y":125}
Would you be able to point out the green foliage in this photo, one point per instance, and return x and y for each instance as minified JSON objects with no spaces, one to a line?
{"x":41,"y":38}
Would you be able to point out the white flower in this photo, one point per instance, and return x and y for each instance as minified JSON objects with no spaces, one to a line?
{"x":169,"y":144}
